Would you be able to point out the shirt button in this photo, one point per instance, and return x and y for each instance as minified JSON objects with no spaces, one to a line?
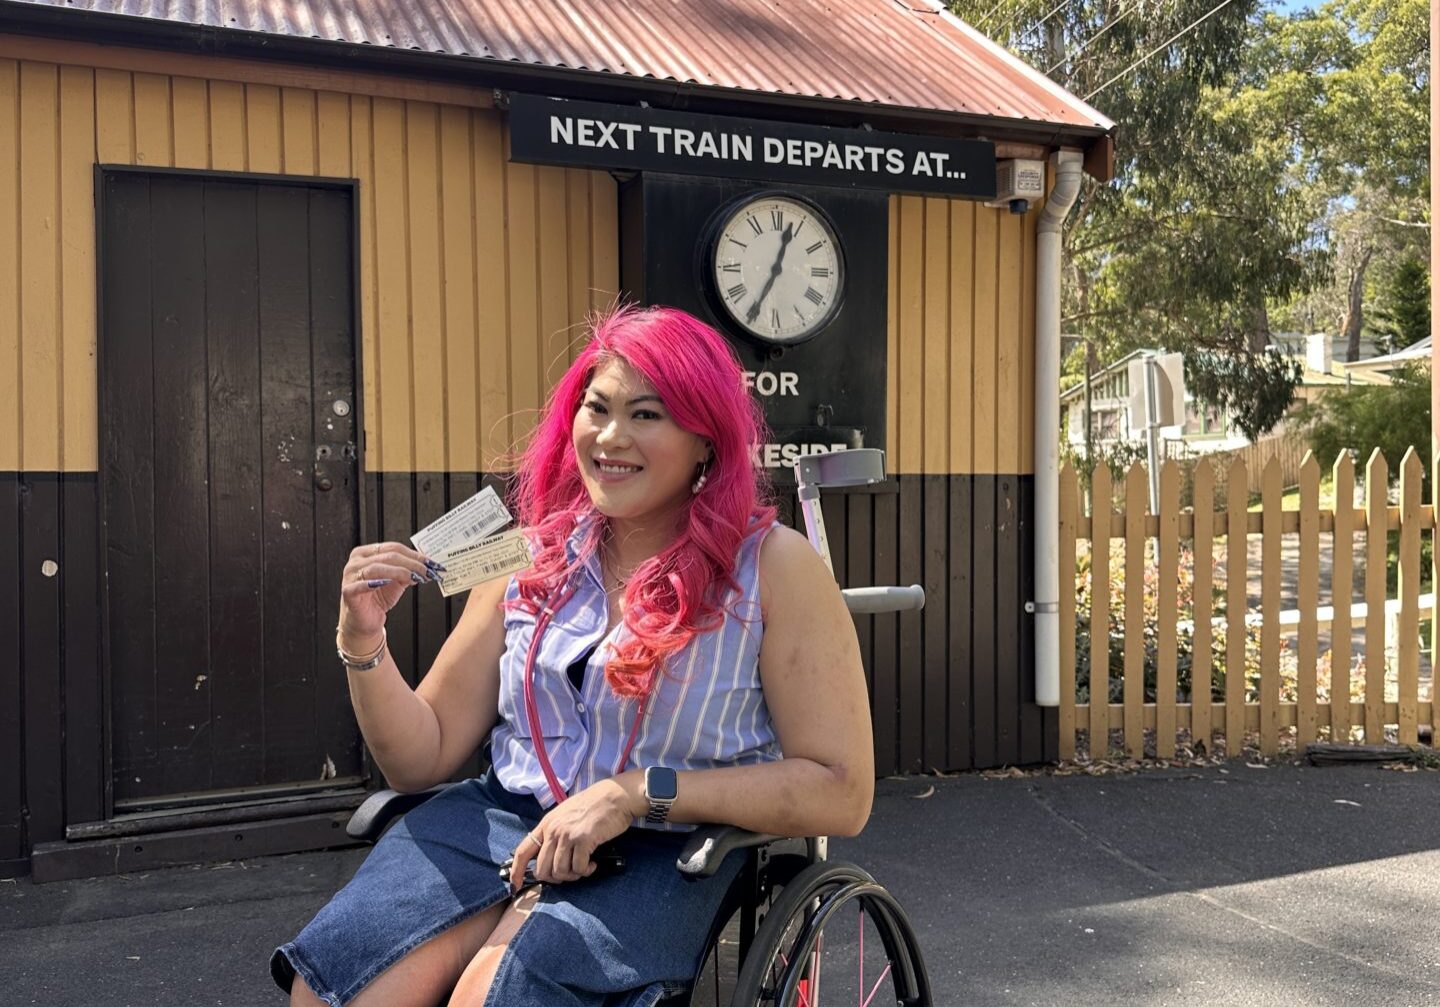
{"x":579,"y":707}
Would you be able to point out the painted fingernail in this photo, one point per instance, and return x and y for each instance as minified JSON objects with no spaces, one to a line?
{"x":436,"y":565}
{"x":416,"y":577}
{"x":376,"y":583}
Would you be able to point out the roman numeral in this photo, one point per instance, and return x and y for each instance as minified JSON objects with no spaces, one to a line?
{"x":819,"y":270}
{"x":755,"y":224}
{"x":796,"y":309}
{"x":777,"y":220}
{"x":811,"y":250}
{"x":736,"y":292}
{"x":740,"y":243}
{"x":813,"y":295}
{"x":774,"y":319}
{"x":730,"y":267}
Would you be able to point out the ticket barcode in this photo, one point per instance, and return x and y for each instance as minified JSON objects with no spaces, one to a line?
{"x":480,"y":516}
{"x":476,"y":530}
{"x":484,"y":560}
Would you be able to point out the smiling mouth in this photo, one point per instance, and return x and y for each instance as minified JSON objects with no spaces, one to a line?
{"x":616,"y":468}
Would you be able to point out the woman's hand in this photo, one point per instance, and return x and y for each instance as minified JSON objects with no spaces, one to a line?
{"x":375,"y":577}
{"x":562,"y":843}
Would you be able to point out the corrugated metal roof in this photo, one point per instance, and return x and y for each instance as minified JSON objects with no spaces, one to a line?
{"x":902,"y":53}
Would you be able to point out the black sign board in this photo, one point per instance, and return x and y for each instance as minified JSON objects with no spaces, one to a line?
{"x":599,"y":135}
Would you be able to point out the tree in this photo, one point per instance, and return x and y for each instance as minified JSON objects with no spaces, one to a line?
{"x":1205,"y":226}
{"x":1267,"y":162}
{"x":1347,"y":88}
{"x":1392,"y":418}
{"x":1256,"y":388}
{"x":1403,"y":316}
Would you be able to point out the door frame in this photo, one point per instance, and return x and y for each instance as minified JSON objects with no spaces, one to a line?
{"x":96,"y":820}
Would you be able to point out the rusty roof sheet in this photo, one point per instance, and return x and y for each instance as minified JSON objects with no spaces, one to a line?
{"x":900,"y":53}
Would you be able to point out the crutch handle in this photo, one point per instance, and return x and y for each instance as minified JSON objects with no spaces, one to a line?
{"x":875,"y":600}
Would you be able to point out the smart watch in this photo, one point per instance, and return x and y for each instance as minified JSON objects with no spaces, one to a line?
{"x":661,"y":787}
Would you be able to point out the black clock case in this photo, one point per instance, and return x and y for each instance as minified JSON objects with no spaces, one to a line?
{"x":666,"y":228}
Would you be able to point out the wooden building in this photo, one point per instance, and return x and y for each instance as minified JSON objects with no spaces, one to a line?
{"x":278,"y":283}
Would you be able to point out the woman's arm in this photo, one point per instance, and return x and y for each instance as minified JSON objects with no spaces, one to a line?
{"x":815,"y":688}
{"x":419,"y":737}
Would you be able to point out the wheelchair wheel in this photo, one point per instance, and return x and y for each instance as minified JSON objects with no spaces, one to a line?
{"x":733,"y":931}
{"x":833,"y":936}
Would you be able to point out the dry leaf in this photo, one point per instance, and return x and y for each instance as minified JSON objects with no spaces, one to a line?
{"x":1256,"y":765}
{"x":927,"y":792}
{"x":1341,"y":800}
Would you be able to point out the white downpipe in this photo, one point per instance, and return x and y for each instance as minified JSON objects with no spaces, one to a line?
{"x":1067,"y":168}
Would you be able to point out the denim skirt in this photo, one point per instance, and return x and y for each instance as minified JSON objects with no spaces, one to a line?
{"x":620,"y":941}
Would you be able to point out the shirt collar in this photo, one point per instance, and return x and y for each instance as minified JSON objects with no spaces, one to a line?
{"x":576,"y":541}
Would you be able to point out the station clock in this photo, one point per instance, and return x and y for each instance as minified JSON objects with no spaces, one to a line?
{"x":777,"y":268}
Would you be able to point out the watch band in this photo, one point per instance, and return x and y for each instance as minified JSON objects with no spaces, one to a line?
{"x":660,"y":791}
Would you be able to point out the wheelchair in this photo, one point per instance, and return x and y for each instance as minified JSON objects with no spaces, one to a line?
{"x":793,"y":926}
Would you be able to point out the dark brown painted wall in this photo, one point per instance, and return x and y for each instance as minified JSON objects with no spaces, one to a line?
{"x":49,"y":654}
{"x":951,"y":687}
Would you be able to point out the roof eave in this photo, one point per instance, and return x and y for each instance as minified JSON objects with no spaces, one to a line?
{"x":19,"y":17}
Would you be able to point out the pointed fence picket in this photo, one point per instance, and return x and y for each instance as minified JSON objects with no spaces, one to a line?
{"x":1152,"y":650}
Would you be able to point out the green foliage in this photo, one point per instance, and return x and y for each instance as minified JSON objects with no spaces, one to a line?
{"x":1392,"y":418}
{"x":1256,"y":388}
{"x":1118,"y":456}
{"x":1262,"y":158}
{"x":1149,"y":630}
{"x":1403,"y":317}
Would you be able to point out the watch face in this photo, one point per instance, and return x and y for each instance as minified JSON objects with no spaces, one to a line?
{"x":660,"y":784}
{"x":778,"y":269}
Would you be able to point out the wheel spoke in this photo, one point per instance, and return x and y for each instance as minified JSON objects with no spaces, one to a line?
{"x":877,"y":985}
{"x":861,"y":928}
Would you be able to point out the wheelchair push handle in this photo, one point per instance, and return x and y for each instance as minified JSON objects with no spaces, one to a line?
{"x":876,"y":600}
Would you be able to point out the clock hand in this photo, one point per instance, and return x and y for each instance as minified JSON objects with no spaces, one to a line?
{"x":775,"y":270}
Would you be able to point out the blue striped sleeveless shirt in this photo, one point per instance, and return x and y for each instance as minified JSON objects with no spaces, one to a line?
{"x":707,"y":708}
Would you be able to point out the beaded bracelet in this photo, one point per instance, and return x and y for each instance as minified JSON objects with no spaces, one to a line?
{"x":362,"y":663}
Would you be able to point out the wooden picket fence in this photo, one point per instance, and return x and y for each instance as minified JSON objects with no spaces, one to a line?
{"x":1226,"y":699}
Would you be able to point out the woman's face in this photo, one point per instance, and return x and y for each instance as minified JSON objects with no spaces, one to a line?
{"x":636,"y":461}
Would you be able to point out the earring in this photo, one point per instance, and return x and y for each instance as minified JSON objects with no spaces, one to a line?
{"x":699,"y":483}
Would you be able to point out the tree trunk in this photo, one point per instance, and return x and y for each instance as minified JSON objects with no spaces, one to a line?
{"x":1355,"y":307}
{"x":1259,"y":329}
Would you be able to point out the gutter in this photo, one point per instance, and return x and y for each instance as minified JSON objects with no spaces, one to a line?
{"x":1067,"y":167}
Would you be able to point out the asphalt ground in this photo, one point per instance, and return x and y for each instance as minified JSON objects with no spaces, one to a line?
{"x":1286,"y":885}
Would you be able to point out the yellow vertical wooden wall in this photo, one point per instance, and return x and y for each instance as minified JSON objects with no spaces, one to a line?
{"x":474,"y":272}
{"x":961,"y":338}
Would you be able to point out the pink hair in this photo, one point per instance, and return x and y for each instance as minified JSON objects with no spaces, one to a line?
{"x":677,"y":593}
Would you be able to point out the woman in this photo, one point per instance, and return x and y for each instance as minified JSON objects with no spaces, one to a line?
{"x":690,"y":642}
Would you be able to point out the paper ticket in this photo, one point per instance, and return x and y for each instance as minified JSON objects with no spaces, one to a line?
{"x":481,"y":515}
{"x":497,"y":556}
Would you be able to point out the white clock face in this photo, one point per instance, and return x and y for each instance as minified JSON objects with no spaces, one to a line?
{"x":778,"y":269}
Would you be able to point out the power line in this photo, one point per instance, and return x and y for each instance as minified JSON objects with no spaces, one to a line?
{"x":1056,"y":10}
{"x":1163,"y":45}
{"x":1092,"y":39}
{"x":984,"y":19}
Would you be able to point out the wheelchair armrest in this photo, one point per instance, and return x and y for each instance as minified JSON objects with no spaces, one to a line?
{"x":383,"y":807}
{"x":709,"y":844}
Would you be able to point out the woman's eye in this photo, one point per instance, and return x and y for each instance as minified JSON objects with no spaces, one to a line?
{"x":595,"y":407}
{"x":646,"y":414}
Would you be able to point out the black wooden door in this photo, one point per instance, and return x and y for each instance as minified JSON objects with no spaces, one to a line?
{"x":229,"y":484}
